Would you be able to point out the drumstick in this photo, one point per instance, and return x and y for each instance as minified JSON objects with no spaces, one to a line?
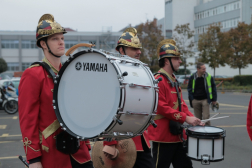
{"x":214,"y":115}
{"x":214,"y":118}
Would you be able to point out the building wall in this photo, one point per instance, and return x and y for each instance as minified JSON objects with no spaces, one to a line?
{"x":19,"y":49}
{"x":246,"y":11}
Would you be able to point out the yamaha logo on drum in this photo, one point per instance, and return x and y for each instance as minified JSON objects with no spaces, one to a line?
{"x":99,"y":67}
{"x":78,"y":66}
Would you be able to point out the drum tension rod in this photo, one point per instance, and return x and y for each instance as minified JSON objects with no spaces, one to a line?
{"x":153,"y":124}
{"x":158,"y":80}
{"x":120,"y":122}
{"x":125,"y":73}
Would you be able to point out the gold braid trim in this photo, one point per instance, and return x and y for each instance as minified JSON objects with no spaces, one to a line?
{"x":45,"y":148}
{"x":170,"y":76}
{"x":27,"y":143}
{"x":51,"y":129}
{"x":55,"y":70}
{"x":130,"y":44}
{"x":50,"y":31}
{"x":35,"y":65}
{"x":158,"y":117}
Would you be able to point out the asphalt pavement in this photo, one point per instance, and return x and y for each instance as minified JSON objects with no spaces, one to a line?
{"x":238,"y":147}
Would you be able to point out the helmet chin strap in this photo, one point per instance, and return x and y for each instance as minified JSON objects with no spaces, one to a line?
{"x":50,"y":50}
{"x":171,"y":64}
{"x":124,"y":50}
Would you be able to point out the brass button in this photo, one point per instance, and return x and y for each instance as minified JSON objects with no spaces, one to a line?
{"x":52,"y":90}
{"x":49,"y":76}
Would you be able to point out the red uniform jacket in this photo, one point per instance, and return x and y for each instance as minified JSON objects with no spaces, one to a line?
{"x":137,"y":141}
{"x":167,"y":110}
{"x":38,"y":121}
{"x":249,"y":119}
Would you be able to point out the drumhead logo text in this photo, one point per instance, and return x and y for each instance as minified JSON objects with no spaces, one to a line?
{"x":99,"y":67}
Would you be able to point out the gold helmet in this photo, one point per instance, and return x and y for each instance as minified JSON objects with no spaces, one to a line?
{"x":47,"y":27}
{"x":167,"y":48}
{"x":129,"y":39}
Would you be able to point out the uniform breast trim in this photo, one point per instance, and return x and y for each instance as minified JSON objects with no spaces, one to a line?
{"x":158,"y":117}
{"x":51,"y":129}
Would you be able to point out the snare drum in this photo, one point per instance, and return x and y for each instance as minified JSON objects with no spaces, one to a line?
{"x":206,"y":143}
{"x":98,"y":96}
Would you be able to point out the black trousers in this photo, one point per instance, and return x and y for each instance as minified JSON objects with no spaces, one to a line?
{"x":144,"y":159}
{"x":75,"y":164}
{"x":166,"y":153}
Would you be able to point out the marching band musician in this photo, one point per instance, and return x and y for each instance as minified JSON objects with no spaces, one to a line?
{"x":129,"y":44}
{"x":172,"y":111}
{"x":39,"y":125}
{"x":249,"y":120}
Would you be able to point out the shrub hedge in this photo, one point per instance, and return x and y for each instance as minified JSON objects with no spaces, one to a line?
{"x":243,"y":80}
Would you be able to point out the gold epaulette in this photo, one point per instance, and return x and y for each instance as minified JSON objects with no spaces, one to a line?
{"x":156,"y":75}
{"x":35,"y":65}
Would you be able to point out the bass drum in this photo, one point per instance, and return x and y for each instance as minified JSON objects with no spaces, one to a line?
{"x":99,"y":96}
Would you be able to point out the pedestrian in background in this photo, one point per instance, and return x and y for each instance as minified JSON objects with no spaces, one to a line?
{"x":202,"y":91}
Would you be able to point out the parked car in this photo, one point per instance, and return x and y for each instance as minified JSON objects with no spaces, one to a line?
{"x":220,"y":76}
{"x":182,"y":79}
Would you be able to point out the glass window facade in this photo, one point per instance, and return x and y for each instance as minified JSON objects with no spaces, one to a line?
{"x":218,"y":10}
{"x":224,"y":25}
{"x":26,"y":65}
{"x":13,"y":66}
{"x":9,"y":43}
{"x":29,"y":44}
{"x":69,"y":44}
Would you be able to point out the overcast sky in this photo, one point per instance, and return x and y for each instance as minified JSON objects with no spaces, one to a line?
{"x":81,"y":15}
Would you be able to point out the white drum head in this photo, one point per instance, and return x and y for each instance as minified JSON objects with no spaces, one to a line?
{"x":88,"y":94}
{"x":205,"y":129}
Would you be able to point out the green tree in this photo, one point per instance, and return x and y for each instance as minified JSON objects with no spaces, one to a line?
{"x":150,"y":35}
{"x":183,"y":36}
{"x":211,"y":46}
{"x":239,"y":51}
{"x":3,"y":65}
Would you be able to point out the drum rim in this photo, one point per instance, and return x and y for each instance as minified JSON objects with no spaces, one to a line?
{"x":217,"y":160}
{"x":206,"y":135}
{"x":55,"y":94}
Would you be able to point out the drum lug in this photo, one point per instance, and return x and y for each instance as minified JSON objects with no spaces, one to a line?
{"x":53,"y":101}
{"x":153,"y":123}
{"x":135,"y":64}
{"x":158,"y":80}
{"x":144,"y":86}
{"x":205,"y":159}
{"x":120,"y":109}
{"x":64,"y":128}
{"x":120,"y":122}
{"x":134,"y":113}
{"x":61,"y":124}
{"x":122,"y":86}
{"x":90,"y":50}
